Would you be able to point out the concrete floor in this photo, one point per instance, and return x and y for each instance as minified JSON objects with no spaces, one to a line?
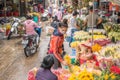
{"x":13,"y":63}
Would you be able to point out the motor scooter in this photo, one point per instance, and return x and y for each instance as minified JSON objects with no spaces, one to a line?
{"x":31,"y":43}
{"x":45,"y":16}
{"x":14,"y":27}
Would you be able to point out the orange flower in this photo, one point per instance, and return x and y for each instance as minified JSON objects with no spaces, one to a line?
{"x":96,"y":48}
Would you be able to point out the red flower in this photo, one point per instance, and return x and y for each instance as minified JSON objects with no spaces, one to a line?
{"x":115,"y":69}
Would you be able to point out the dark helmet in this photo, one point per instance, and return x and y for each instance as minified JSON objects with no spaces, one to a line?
{"x":29,"y":17}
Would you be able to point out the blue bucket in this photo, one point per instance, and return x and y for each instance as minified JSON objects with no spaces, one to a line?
{"x":73,"y":52}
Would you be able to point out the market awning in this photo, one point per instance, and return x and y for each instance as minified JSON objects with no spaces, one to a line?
{"x":104,"y":0}
{"x":115,"y":2}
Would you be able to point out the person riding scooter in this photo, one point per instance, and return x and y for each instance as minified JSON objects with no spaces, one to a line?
{"x":30,"y":27}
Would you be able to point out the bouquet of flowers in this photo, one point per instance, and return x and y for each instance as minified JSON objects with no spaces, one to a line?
{"x":115,"y":36}
{"x":106,"y":75}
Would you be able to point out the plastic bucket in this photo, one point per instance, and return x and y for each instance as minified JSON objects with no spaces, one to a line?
{"x":73,"y":60}
{"x":73,"y":52}
{"x":73,"y":56}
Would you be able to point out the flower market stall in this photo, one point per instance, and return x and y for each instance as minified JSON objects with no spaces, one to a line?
{"x":97,"y":59}
{"x":95,"y":55}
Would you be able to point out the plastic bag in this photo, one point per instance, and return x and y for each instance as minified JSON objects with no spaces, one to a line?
{"x":49,"y":30}
{"x":32,"y":74}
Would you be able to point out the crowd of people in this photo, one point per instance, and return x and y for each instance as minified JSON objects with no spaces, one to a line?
{"x":55,"y":54}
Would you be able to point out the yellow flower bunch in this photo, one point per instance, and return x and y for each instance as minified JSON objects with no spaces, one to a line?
{"x":96,"y":48}
{"x":74,"y":44}
{"x":106,"y":77}
{"x":36,"y":14}
{"x":112,"y":75}
{"x":109,"y":76}
{"x":85,"y":75}
{"x":8,"y":26}
{"x":67,"y":59}
{"x":97,"y":33}
{"x":96,"y":37}
{"x":72,"y":77}
{"x":76,"y":69}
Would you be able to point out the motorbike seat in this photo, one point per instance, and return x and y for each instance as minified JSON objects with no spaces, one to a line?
{"x":30,"y":36}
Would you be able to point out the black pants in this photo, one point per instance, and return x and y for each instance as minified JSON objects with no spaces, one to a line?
{"x":57,"y":63}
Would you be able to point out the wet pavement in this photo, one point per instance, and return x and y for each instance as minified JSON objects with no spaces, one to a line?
{"x":13,"y":63}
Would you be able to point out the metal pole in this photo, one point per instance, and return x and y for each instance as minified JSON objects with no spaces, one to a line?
{"x":93,"y":24}
{"x":5,"y":7}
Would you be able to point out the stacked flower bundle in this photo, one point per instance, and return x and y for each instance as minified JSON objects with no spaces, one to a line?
{"x":83,"y":75}
{"x":113,"y":31}
{"x":97,"y":31}
{"x":96,"y":37}
{"x":81,"y":36}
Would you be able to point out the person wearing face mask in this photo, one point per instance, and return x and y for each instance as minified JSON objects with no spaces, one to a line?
{"x":56,"y":43}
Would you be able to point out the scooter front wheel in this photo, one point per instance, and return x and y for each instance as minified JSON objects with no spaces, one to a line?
{"x":28,"y":50}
